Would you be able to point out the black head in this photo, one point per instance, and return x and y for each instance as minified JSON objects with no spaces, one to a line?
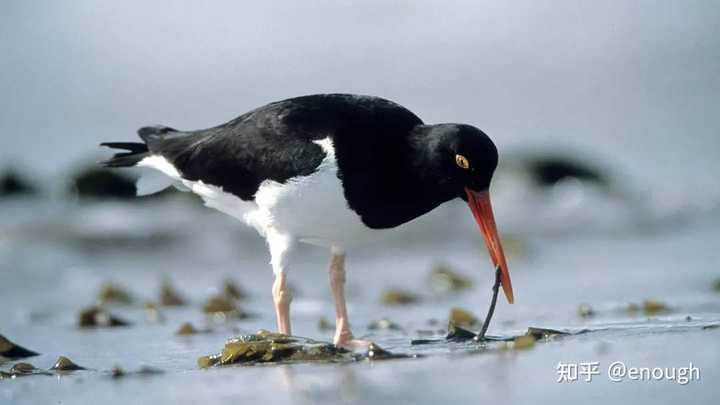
{"x":463,"y":155}
{"x":459,"y":161}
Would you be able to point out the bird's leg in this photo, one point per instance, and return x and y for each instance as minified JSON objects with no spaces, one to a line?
{"x":280,"y":245}
{"x":282,"y":298}
{"x":343,"y":335}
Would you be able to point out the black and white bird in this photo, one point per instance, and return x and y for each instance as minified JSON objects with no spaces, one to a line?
{"x":330,"y":169}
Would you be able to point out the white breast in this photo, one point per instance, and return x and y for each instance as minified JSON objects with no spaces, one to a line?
{"x":310,"y":209}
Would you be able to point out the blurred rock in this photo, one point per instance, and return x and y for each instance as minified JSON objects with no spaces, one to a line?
{"x":96,"y":317}
{"x":186,"y":329}
{"x":653,"y":307}
{"x":384,"y":324}
{"x":233,"y":291}
{"x":221,"y":305}
{"x":324,"y":324}
{"x":399,"y":297}
{"x":97,"y":182}
{"x":169,"y":296}
{"x":716,"y":285}
{"x":113,"y":294}
{"x":14,"y":184}
{"x":585,"y":310}
{"x":551,"y":168}
{"x":12,"y":351}
{"x":144,"y":371}
{"x":443,"y":279}
{"x":649,"y":308}
{"x":152,"y":313}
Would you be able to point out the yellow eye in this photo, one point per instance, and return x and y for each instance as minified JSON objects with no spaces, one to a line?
{"x":462,"y":161}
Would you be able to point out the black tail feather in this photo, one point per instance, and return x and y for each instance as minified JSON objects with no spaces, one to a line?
{"x":137,"y":152}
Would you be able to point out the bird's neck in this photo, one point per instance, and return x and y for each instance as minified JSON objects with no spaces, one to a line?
{"x":427,"y":163}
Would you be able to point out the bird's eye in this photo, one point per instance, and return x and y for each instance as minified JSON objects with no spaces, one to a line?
{"x":462,"y":161}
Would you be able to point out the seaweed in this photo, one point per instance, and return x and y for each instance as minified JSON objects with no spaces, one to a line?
{"x":268,"y":347}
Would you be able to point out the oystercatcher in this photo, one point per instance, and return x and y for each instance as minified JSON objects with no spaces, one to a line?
{"x":330,"y":170}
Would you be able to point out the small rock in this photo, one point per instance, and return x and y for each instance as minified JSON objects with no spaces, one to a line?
{"x":11,"y":351}
{"x":169,"y":297}
{"x":463,"y":318}
{"x":585,"y":310}
{"x":444,"y":280}
{"x":399,"y":297}
{"x":65,"y":364}
{"x":113,"y":294}
{"x":94,"y":317}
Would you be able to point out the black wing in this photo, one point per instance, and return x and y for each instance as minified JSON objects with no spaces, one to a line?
{"x":275,"y":142}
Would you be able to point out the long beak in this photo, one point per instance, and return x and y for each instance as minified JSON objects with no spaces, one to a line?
{"x":479,"y":202}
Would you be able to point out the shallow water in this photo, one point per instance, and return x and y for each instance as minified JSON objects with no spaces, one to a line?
{"x":55,"y":256}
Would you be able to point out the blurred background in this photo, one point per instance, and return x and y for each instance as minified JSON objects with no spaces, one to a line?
{"x":606,"y":115}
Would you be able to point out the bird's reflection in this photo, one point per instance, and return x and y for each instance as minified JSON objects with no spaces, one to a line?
{"x":337,"y":384}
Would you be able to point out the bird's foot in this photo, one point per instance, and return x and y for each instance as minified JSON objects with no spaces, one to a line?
{"x":354,"y":344}
{"x":345,"y":339}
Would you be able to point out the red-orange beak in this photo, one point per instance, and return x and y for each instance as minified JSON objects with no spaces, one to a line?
{"x":479,"y":202}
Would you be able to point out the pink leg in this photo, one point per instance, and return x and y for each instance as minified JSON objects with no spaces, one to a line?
{"x":343,"y":335}
{"x":282,"y":298}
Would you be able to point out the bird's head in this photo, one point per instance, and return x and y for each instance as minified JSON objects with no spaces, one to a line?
{"x":465,"y":159}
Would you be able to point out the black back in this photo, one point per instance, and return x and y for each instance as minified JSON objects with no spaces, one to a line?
{"x":372,"y":138}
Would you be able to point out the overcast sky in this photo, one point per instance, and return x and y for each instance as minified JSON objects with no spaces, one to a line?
{"x":634,"y":81}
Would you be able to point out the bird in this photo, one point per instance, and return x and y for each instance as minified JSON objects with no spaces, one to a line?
{"x":332,"y":170}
